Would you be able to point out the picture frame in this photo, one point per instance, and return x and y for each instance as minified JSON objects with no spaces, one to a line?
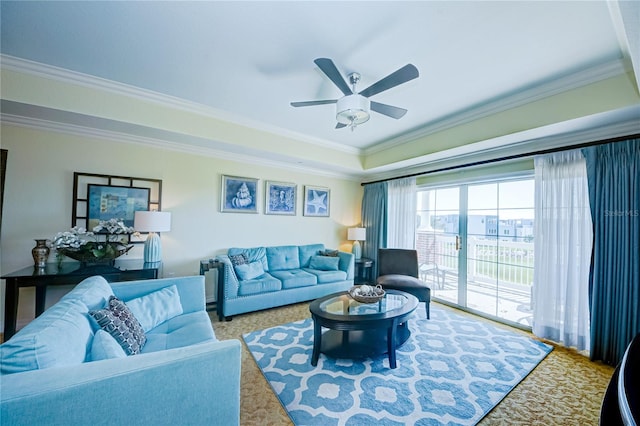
{"x":105,"y":202}
{"x":239,"y":195}
{"x":280,"y":198}
{"x":317,"y":200}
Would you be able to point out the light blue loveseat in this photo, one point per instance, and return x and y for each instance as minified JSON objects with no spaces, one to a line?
{"x":281,"y":275}
{"x":183,"y":374}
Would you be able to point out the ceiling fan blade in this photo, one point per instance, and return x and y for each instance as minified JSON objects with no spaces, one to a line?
{"x":388,"y":110}
{"x":312,"y":103}
{"x":340,"y":125}
{"x":404,"y":74}
{"x":328,"y":67}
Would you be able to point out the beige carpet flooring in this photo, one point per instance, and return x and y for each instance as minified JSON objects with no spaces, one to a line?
{"x":565,"y":389}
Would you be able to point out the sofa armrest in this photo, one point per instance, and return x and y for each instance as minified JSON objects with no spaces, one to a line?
{"x":347,"y":263}
{"x":198,"y":384}
{"x":231,"y":283}
{"x":191,"y":290}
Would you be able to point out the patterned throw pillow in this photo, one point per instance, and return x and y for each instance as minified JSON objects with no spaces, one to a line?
{"x":330,"y":253}
{"x":117,"y":320}
{"x":239,"y":259}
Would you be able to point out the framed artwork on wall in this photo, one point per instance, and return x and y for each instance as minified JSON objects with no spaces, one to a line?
{"x":107,"y":202}
{"x":316,"y":201}
{"x":239,"y":195}
{"x":280,"y":198}
{"x":80,"y":207}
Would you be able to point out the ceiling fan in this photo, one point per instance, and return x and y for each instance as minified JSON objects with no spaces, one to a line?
{"x":353,"y":108}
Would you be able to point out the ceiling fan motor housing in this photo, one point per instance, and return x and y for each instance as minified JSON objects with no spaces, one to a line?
{"x":353,"y":109}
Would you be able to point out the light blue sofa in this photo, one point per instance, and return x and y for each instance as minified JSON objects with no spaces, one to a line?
{"x":280,"y":275}
{"x":183,"y":374}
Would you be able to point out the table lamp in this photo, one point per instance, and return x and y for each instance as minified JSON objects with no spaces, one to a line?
{"x":152,"y":222}
{"x":356,"y":235}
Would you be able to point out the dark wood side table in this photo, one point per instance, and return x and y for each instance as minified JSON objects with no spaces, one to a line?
{"x":206,"y":265}
{"x":364,"y":269}
{"x":68,"y":273}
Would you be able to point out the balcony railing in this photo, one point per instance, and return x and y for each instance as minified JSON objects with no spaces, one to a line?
{"x":499,"y":273}
{"x":489,"y":260}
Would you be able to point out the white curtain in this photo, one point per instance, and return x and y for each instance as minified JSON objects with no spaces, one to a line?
{"x":401,"y":213}
{"x":563,"y":242}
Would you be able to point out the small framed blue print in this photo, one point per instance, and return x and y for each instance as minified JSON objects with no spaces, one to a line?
{"x":316,"y":201}
{"x":239,"y":195}
{"x":280,"y":198}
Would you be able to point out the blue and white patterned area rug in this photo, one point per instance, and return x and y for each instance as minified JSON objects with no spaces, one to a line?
{"x":453,"y":370}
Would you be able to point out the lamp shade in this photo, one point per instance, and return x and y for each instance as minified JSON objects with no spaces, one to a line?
{"x":357,"y":234}
{"x":352,"y":109}
{"x":145,"y":221}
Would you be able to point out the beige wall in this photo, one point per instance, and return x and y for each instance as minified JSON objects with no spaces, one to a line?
{"x":38,"y":198}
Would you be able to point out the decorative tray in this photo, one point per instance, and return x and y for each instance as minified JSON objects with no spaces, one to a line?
{"x":366,"y":294}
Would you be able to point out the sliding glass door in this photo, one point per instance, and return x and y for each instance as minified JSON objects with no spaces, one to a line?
{"x":475,"y":246}
{"x":438,"y":242}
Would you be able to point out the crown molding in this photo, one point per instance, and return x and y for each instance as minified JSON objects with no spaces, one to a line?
{"x":516,"y":99}
{"x":177,"y":146}
{"x":602,"y":126}
{"x":63,"y":75}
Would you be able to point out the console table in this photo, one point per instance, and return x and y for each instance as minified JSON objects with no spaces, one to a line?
{"x":67,"y":273}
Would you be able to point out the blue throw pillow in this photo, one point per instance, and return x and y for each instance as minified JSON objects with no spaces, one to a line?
{"x":324,"y":263}
{"x":251,"y":271}
{"x":105,"y":346}
{"x":155,"y":308}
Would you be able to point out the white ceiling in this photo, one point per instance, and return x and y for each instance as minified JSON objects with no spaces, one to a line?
{"x":246,"y":61}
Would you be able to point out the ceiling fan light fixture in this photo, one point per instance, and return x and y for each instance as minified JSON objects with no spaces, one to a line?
{"x":352,"y":110}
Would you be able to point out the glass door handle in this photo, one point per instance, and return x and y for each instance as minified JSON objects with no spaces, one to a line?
{"x":458,"y":242}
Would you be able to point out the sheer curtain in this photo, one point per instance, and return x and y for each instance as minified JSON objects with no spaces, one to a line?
{"x":563,"y":243}
{"x":401,"y":213}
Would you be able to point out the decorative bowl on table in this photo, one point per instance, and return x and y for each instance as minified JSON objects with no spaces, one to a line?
{"x":366,"y":293}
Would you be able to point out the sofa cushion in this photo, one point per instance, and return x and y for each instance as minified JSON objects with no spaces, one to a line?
{"x":249,"y":271}
{"x":327,"y":276}
{"x":117,"y":320}
{"x":253,"y":254}
{"x":61,"y":336}
{"x":184,"y":330}
{"x":94,"y":292}
{"x":283,"y":257}
{"x":307,"y":251}
{"x":264,"y":284}
{"x":157,"y":307}
{"x":104,"y":346}
{"x":324,"y":263}
{"x":293,"y":278}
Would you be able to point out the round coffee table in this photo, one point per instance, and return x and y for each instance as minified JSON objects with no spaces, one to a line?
{"x":360,"y":330}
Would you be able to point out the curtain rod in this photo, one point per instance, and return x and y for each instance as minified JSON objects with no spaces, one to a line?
{"x":510,"y":157}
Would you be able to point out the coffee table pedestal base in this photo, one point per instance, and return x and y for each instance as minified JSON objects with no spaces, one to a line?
{"x":357,"y":344}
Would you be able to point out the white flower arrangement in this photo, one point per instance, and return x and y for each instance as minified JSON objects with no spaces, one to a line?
{"x":112,"y":227}
{"x":82,"y":245}
{"x":72,"y":239}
